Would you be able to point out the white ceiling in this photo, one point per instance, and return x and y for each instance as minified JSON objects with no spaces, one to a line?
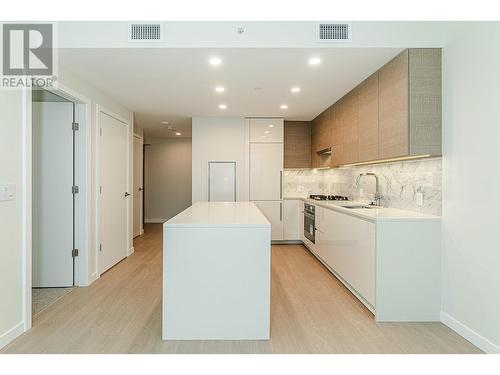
{"x":176,"y":84}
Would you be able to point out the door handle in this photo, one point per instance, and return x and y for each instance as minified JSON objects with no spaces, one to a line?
{"x":281,"y":211}
{"x":127,"y":194}
{"x":281,"y":184}
{"x":141,"y":189}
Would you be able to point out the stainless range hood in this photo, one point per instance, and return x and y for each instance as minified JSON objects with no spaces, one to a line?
{"x":325,"y":151}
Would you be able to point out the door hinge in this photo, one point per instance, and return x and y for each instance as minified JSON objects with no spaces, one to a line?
{"x":75,"y":189}
{"x":74,"y":253}
{"x":100,"y":189}
{"x":100,"y":247}
{"x":100,"y":131}
{"x":75,"y":126}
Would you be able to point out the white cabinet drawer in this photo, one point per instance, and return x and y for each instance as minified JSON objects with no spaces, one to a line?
{"x":348,"y":245}
{"x":291,"y":220}
{"x":273,"y":211}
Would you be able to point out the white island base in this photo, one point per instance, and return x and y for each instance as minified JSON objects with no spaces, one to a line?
{"x":217,"y":273}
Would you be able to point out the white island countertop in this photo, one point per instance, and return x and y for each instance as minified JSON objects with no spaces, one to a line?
{"x":217,"y":273}
{"x":219,"y":214}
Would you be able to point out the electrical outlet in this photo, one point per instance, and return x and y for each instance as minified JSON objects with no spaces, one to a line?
{"x":7,"y":192}
{"x":300,"y":188}
{"x":419,"y":197}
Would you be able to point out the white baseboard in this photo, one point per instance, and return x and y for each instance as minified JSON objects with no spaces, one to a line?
{"x":154,"y":221}
{"x":93,"y":277}
{"x":130,"y":251}
{"x":475,"y":338}
{"x":11,"y":334}
{"x":141,"y":232}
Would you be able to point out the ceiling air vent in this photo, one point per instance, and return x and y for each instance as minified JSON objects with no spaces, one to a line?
{"x":144,"y":32}
{"x":335,"y":31}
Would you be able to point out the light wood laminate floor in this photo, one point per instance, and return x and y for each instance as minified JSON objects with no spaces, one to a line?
{"x":311,"y":313}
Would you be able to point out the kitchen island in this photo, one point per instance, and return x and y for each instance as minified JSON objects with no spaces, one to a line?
{"x":217,"y":273}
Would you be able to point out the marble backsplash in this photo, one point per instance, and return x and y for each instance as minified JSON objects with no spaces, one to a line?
{"x":399,"y":183}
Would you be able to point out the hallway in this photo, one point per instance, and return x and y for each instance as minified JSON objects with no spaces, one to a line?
{"x":311,"y":312}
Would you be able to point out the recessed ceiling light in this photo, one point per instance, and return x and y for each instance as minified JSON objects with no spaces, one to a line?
{"x":178,"y":133}
{"x":215,"y":61}
{"x":295,"y":89}
{"x":222,"y":106}
{"x":164,"y":122}
{"x":314,"y":61}
{"x":266,"y":132}
{"x":219,"y":89}
{"x":271,"y":125}
{"x":284,"y":106}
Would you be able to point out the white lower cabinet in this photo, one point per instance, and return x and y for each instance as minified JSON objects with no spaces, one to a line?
{"x":392,"y":266}
{"x":292,"y":228}
{"x":273,"y":211}
{"x":347,"y":244}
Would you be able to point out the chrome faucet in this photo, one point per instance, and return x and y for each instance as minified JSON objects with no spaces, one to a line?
{"x":378,"y":197}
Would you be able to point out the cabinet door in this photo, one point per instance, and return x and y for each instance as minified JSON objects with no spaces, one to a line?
{"x":297,"y":144}
{"x":291,"y":220}
{"x":273,"y":211}
{"x":336,"y":124}
{"x":393,"y":108}
{"x":266,"y":171}
{"x":266,"y":130}
{"x":321,"y":138}
{"x":347,"y":245}
{"x":350,"y":124}
{"x":368,"y":119}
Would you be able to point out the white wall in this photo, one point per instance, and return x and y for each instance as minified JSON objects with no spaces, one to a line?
{"x":168,"y":178}
{"x":11,"y":236}
{"x":219,"y":139}
{"x":12,"y":268}
{"x":471,"y":180}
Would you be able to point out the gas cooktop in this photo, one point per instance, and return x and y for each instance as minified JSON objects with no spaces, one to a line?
{"x":320,"y":197}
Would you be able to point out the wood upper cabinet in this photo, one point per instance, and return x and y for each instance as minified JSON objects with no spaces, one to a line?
{"x":297,"y":144}
{"x":368,"y":119}
{"x":350,"y":119}
{"x":337,"y":127}
{"x":321,"y":136}
{"x":394,"y":113}
{"x":393,"y":108}
{"x":425,"y":99}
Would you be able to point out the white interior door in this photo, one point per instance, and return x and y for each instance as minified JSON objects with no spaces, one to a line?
{"x":52,"y":194}
{"x":138,"y":188}
{"x":222,"y":181}
{"x":266,"y":167}
{"x":113,"y":191}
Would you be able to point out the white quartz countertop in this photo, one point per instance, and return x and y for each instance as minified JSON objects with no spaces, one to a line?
{"x":219,"y":214}
{"x":372,"y":214}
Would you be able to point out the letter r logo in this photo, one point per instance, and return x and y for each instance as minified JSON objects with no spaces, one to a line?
{"x":27,"y":49}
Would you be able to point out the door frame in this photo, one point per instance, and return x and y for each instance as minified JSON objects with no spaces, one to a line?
{"x":83,"y":174}
{"x":98,"y":214}
{"x":141,"y":204}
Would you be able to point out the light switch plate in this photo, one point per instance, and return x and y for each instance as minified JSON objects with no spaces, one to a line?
{"x":7,"y":192}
